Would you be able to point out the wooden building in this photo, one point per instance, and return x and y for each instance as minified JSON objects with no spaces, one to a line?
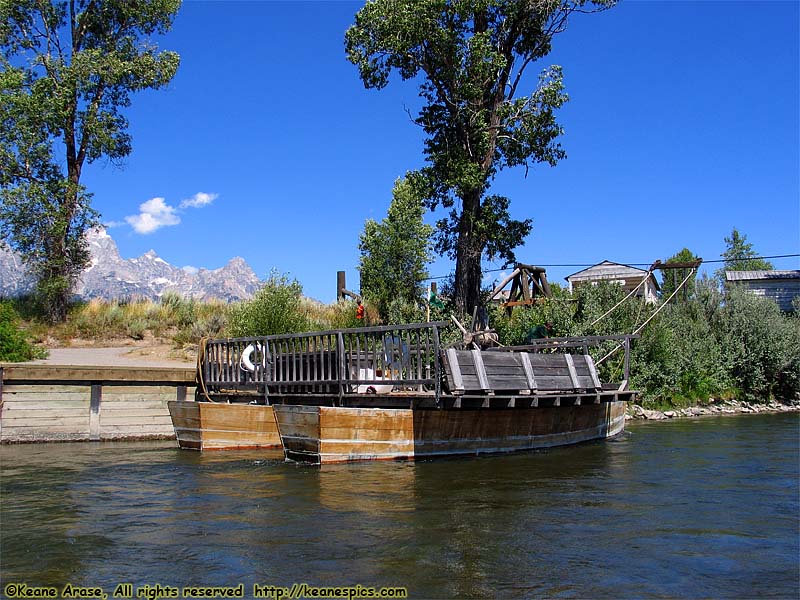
{"x":781,"y":286}
{"x":628,"y":277}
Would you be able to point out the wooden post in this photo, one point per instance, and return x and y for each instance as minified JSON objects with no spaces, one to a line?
{"x":342,"y":366}
{"x":627,"y":364}
{"x":437,"y":369}
{"x":428,"y":305}
{"x":341,"y":285}
{"x":94,"y":411}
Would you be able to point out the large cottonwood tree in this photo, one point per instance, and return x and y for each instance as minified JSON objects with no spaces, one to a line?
{"x":67,"y":69}
{"x":479,"y":113}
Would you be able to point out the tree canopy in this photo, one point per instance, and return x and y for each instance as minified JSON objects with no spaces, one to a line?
{"x":479,"y":114}
{"x":67,"y":69}
{"x":395,"y":252}
{"x":674,"y":277}
{"x":740,"y":256}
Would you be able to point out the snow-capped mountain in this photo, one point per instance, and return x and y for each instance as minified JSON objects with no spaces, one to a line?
{"x":112,"y":277}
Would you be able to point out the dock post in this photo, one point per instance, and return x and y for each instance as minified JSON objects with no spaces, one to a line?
{"x":627,"y":364}
{"x":437,"y":361}
{"x":341,"y":285}
{"x":342,"y":366}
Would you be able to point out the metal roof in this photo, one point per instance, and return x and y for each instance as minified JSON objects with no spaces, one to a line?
{"x":760,"y":275}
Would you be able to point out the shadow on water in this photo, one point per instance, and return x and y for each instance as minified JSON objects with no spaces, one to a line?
{"x":687,"y":508}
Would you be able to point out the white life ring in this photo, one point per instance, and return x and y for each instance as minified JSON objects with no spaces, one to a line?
{"x":245,"y":362}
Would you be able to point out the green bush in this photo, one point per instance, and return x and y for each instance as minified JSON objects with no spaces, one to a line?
{"x":14,"y":343}
{"x":678,"y":359}
{"x":274,"y":309}
{"x":762,"y":345}
{"x":712,"y":345}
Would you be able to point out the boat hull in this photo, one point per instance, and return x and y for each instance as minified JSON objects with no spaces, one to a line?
{"x":324,"y":434}
{"x":223,"y":426}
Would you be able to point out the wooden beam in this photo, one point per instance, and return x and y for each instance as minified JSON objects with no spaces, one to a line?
{"x":94,"y":411}
{"x":573,"y":375}
{"x":455,"y":370}
{"x":526,"y":366}
{"x":524,"y":284}
{"x":499,"y":287}
{"x":593,"y":371}
{"x":27,"y":372}
{"x":480,"y":370}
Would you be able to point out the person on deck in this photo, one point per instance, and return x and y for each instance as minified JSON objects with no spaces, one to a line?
{"x":539,"y":332}
{"x":360,"y":311}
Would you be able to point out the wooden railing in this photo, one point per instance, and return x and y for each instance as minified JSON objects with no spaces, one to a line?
{"x":583,"y":343}
{"x":350,"y":361}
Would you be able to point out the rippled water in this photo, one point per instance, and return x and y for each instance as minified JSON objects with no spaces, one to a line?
{"x":707,"y":507}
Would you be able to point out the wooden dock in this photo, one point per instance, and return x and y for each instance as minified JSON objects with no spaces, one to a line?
{"x":49,"y":403}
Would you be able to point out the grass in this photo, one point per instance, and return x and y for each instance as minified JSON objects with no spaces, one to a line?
{"x":172,"y":319}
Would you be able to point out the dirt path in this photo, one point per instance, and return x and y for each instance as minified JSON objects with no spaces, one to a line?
{"x":122,"y":356}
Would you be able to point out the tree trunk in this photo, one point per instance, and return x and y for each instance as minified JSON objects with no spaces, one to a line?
{"x":468,"y":256}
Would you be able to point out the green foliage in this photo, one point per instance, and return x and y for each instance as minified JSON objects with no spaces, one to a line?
{"x":469,"y":57}
{"x":15,"y":345}
{"x":394,"y":252}
{"x":761,"y":344}
{"x":400,"y":311}
{"x":678,"y":359}
{"x":740,"y":256}
{"x":713,"y":345}
{"x":674,"y":277}
{"x":276,"y":308}
{"x":65,"y":75}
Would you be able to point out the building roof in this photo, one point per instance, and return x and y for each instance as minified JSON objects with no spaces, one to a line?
{"x":760,"y":275}
{"x":610,"y":268}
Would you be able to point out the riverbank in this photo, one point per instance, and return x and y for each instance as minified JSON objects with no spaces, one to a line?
{"x":714,"y":408}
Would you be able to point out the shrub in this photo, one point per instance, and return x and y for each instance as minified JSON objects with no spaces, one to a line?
{"x":276,"y":308}
{"x":762,"y":345}
{"x":14,"y":343}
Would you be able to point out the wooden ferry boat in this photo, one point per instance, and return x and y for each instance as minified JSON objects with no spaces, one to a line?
{"x":395,"y":393}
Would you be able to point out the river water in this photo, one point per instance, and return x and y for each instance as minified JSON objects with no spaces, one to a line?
{"x":691,"y":508}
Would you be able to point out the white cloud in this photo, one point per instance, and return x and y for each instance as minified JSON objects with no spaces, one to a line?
{"x":190,"y":269}
{"x":113,"y":224}
{"x":153,"y":214}
{"x":198,"y":200}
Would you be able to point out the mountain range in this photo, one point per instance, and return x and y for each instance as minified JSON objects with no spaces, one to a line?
{"x":110,"y":276}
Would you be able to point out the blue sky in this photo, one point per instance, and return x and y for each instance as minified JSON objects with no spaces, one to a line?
{"x":684,"y":121}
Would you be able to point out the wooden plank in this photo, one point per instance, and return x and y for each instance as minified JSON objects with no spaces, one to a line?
{"x":480,"y":369}
{"x":27,"y":372}
{"x":528,"y":369}
{"x":44,"y":404}
{"x":454,"y":371}
{"x":572,"y":374}
{"x":593,"y":372}
{"x":81,"y":421}
{"x":366,"y":434}
{"x":137,"y":419}
{"x":45,"y":388}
